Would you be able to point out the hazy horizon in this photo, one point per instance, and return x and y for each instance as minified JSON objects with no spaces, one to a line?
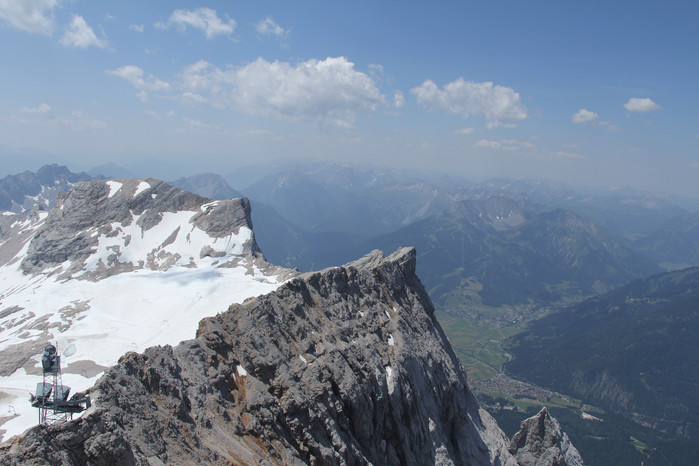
{"x":594,"y":94}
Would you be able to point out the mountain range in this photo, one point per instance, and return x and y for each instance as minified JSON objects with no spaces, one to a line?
{"x":501,"y":251}
{"x":144,"y":241}
{"x":343,"y":366}
{"x":632,"y":351}
{"x":346,"y":365}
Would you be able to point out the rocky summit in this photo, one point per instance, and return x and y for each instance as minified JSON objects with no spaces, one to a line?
{"x":542,"y":442}
{"x":343,"y":366}
{"x":116,"y":266}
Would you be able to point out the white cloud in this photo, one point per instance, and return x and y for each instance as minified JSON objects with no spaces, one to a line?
{"x":398,"y":99}
{"x":78,"y":121}
{"x":79,"y":34}
{"x":609,"y":126}
{"x":568,"y":155}
{"x":508,"y":144}
{"x":488,"y":144}
{"x":584,"y":116}
{"x":35,"y":16}
{"x":327,"y":91}
{"x":495,"y":103}
{"x":43,"y":109}
{"x":153,"y":114}
{"x":135,"y":76}
{"x":267,"y":27}
{"x":137,"y":27}
{"x":204,"y":19}
{"x":464,"y":131}
{"x":641,"y":105}
{"x":43,"y":116}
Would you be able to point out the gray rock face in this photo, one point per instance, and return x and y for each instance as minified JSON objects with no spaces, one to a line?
{"x":97,"y":208}
{"x":209,"y":185}
{"x":21,"y":192}
{"x":541,"y":442}
{"x":343,"y":366}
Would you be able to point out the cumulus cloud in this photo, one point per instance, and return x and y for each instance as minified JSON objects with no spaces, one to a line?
{"x":641,"y":105}
{"x":327,"y":91}
{"x":137,"y":78}
{"x":80,"y":34}
{"x":199,"y":126}
{"x":204,"y":19}
{"x":267,"y":27}
{"x":496,"y":104}
{"x":608,"y":126}
{"x":464,"y":131}
{"x":78,"y":121}
{"x":584,"y":116}
{"x":137,"y":27}
{"x":43,"y":109}
{"x":398,"y":99}
{"x":34,"y":16}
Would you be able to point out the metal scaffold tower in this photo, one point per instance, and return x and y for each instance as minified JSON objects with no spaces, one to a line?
{"x":51,"y":398}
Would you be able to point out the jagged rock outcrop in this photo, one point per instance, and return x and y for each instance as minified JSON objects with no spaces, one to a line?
{"x":343,"y":366}
{"x":22,"y":192}
{"x":105,"y":209}
{"x":541,"y":442}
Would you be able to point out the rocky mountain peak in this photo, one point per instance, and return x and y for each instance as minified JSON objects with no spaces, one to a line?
{"x":20,"y":193}
{"x":343,"y":366}
{"x":494,"y":212}
{"x":93,"y":227}
{"x":541,"y":441}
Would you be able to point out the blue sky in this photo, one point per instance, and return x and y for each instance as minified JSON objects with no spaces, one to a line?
{"x":599,"y":93}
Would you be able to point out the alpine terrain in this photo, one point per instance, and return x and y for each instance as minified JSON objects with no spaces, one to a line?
{"x":116,"y":266}
{"x":345,"y":365}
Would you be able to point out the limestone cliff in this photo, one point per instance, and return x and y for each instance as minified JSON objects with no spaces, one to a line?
{"x":542,"y":442}
{"x":343,"y":366}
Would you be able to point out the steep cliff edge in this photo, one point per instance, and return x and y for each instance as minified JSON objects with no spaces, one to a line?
{"x":343,"y":366}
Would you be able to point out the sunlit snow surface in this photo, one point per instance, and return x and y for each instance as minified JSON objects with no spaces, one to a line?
{"x":100,"y":321}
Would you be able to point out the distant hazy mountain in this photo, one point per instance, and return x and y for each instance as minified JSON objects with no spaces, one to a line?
{"x":289,"y":245}
{"x":110,"y":170}
{"x":674,"y":244}
{"x":357,"y":200}
{"x":209,"y":185}
{"x":593,"y":257}
{"x":536,"y":258}
{"x":19,"y":193}
{"x":633,"y":350}
{"x":629,"y":212}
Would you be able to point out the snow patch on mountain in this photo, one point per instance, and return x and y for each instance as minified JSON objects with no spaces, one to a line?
{"x":111,"y":270}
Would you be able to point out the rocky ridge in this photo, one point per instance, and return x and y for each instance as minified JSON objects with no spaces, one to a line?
{"x":135,"y":259}
{"x":22,"y":192}
{"x":343,"y":366}
{"x":542,"y":442}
